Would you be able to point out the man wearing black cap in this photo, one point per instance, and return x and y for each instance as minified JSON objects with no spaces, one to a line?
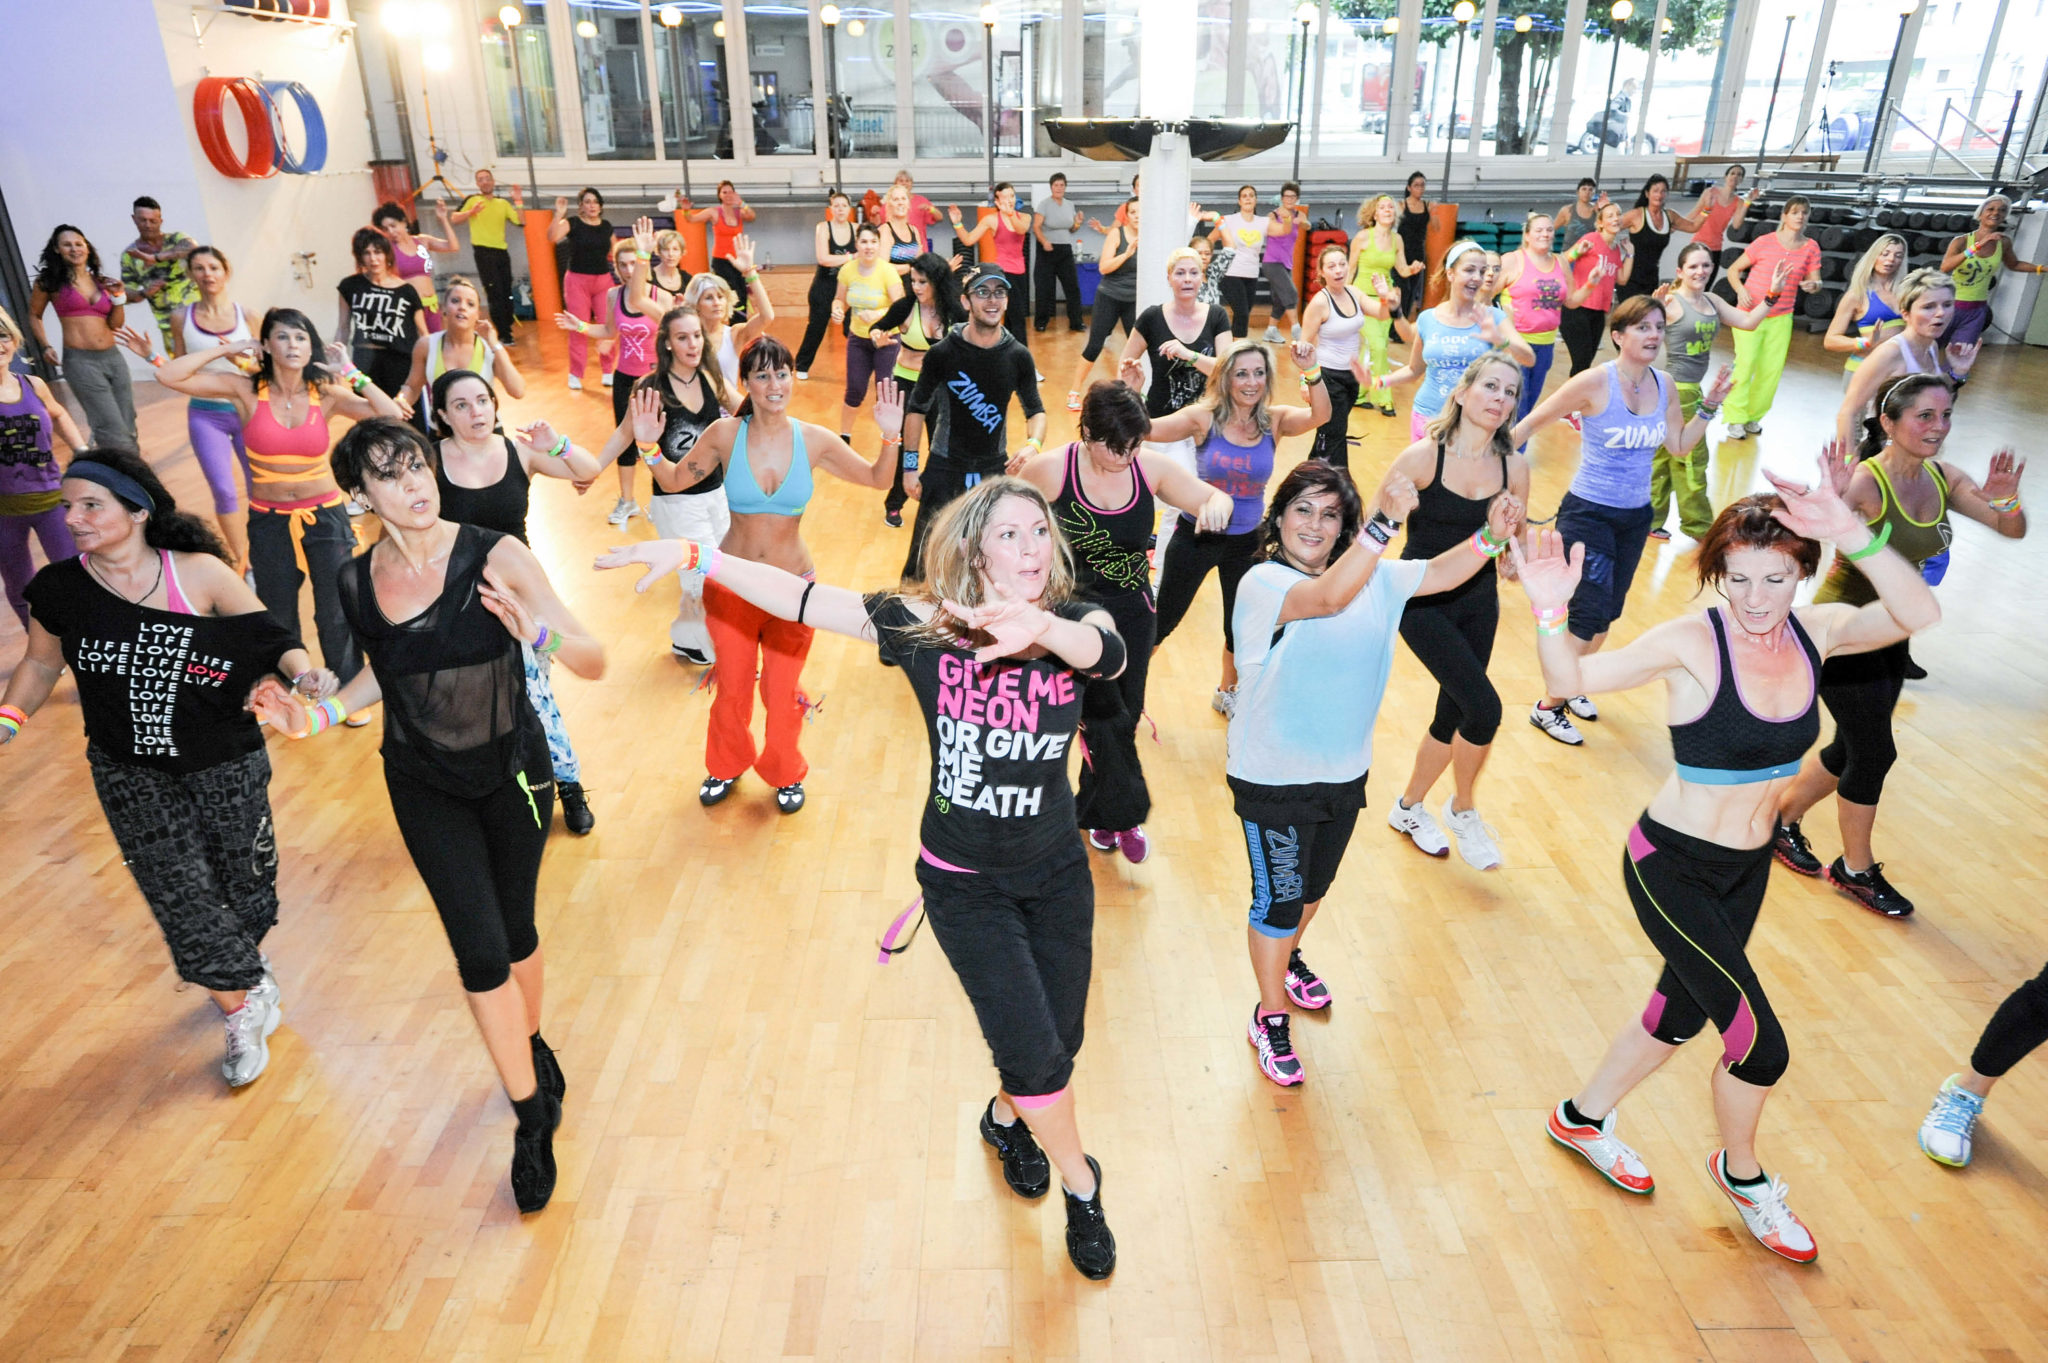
{"x":964,"y":392}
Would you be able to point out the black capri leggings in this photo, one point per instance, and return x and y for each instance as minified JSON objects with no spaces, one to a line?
{"x":2019,"y":1025}
{"x":1295,"y":848}
{"x":1451,"y":634}
{"x":480,"y":859}
{"x":1108,"y":312}
{"x":1023,"y":944}
{"x":1580,"y":328}
{"x":1861,"y":690}
{"x":824,"y":288}
{"x":1111,"y":794}
{"x":1237,"y":296}
{"x":1333,"y":437}
{"x":1189,"y":557}
{"x":1697,"y":902}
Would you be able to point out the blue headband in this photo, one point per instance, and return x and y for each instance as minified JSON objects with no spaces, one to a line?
{"x":115,"y":481}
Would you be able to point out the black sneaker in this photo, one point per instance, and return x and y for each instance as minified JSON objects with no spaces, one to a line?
{"x":576,"y":815}
{"x":695,"y":656}
{"x":1869,"y":888}
{"x":1790,"y":846}
{"x":533,"y":1152}
{"x":1914,"y":672}
{"x":1089,"y":1243}
{"x":790,"y":798}
{"x":892,"y":519}
{"x":1025,"y":1167}
{"x":715,"y":788}
{"x":548,"y":1070}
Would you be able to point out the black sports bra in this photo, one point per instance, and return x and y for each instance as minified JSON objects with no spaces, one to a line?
{"x":1730,"y":744}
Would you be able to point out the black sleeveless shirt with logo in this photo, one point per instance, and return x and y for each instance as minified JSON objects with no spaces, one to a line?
{"x":1108,"y":546}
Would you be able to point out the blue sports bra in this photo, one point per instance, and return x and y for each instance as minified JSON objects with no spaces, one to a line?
{"x":744,"y":496}
{"x":1728,"y":743}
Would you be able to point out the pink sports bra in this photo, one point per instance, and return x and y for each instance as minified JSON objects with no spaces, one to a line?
{"x":70,"y":302}
{"x":175,"y":600}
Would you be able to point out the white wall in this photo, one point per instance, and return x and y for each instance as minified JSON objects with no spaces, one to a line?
{"x":81,"y":153}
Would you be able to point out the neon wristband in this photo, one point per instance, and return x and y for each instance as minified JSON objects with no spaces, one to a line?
{"x":11,"y":719}
{"x":560,"y":449}
{"x":2004,"y":506}
{"x":1877,"y":542}
{"x":1311,"y":377}
{"x":1483,"y":544}
{"x":322,"y":717}
{"x":703,"y":559}
{"x":1550,"y":628}
{"x":156,"y":361}
{"x":649,"y":449}
{"x":549,"y":642}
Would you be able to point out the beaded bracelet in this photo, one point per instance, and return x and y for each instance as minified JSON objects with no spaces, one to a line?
{"x":11,"y":719}
{"x":1877,"y":542}
{"x":2006,"y":506}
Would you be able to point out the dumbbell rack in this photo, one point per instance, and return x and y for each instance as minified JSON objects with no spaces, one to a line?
{"x":1850,"y":212}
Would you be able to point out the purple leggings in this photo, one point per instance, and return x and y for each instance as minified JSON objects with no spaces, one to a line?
{"x":216,"y":434}
{"x":16,"y":567}
{"x":864,"y":361}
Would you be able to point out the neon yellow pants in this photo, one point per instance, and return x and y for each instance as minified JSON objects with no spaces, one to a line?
{"x":1759,"y":364}
{"x":1683,"y":476}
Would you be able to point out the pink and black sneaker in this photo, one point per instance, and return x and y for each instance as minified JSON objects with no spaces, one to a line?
{"x":1304,"y":986}
{"x":1268,"y":1035}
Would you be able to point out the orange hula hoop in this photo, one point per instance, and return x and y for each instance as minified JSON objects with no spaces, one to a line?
{"x":209,"y":102}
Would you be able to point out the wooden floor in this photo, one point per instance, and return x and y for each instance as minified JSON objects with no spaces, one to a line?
{"x":769,"y":1147}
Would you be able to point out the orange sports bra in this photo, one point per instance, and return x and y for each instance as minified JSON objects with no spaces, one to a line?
{"x":293,"y":453}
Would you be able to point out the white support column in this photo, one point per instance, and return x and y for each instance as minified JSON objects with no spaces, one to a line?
{"x":1401,"y":90}
{"x":822,"y":86}
{"x":656,"y":36}
{"x":1164,"y":60}
{"x":1482,"y":71}
{"x":1567,"y":70}
{"x":1070,"y":60}
{"x":1734,"y":75}
{"x":1233,"y":79}
{"x":1642,"y":119}
{"x":906,"y":99}
{"x":1315,"y":89}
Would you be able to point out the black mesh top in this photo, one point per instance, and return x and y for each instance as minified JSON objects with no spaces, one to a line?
{"x":455,"y":710}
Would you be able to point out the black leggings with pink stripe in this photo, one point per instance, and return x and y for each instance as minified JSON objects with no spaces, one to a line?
{"x":1697,"y":902}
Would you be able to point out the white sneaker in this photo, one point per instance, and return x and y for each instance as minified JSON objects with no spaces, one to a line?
{"x":803,"y":375}
{"x":606,"y":380}
{"x":1945,"y":1134}
{"x":575,"y":384}
{"x":1583,"y":707}
{"x":249,"y":1028}
{"x":1224,"y":702}
{"x":623,"y":510}
{"x":1735,"y":431}
{"x":1765,"y":1212}
{"x":1556,"y":723}
{"x":1754,"y":428}
{"x":1419,"y":824}
{"x":1272,"y":335}
{"x":1475,"y":840}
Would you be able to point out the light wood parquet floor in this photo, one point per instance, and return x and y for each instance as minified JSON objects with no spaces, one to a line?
{"x":769,"y":1151}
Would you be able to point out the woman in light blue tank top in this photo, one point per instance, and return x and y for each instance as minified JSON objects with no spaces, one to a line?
{"x":1627,"y":411}
{"x":1445,"y":339}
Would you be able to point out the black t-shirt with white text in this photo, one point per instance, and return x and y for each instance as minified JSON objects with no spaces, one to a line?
{"x":381,"y":318}
{"x":1176,"y":383}
{"x":1000,"y":733}
{"x":158,"y":688}
{"x":975,"y":384}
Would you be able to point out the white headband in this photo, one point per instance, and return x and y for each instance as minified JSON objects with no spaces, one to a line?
{"x":1460,"y":249}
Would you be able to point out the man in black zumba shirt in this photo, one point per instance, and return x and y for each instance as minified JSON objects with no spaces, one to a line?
{"x":964,"y":391}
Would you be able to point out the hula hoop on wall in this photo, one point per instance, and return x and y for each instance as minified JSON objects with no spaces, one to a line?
{"x":209,"y":101}
{"x":315,"y":156}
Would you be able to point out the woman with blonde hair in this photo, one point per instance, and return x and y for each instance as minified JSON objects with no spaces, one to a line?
{"x":467,"y":340}
{"x":1236,"y":429}
{"x":1379,"y":263}
{"x":1868,"y":314}
{"x":1463,"y":464}
{"x":996,"y":627}
{"x":1179,"y":337}
{"x":716,"y":305}
{"x":1927,"y":300}
{"x":1455,"y":332}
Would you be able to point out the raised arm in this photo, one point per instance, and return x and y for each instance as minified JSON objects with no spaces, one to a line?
{"x":1905,"y":603}
{"x":365,"y":401}
{"x":782,"y":594}
{"x":1882,"y":365}
{"x":551,"y":455}
{"x":1549,"y":576}
{"x":970,"y":236}
{"x":1995,"y":503}
{"x":1191,"y":422}
{"x":1295,"y":420}
{"x":1958,"y":248}
{"x":1577,"y":397}
{"x":836,"y":457}
{"x":183,"y":375}
{"x":1339,"y":585}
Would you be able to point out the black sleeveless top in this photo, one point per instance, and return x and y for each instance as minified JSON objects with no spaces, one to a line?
{"x":1650,"y":246}
{"x":683,"y":427}
{"x":1441,"y":519}
{"x":837,"y":247}
{"x":1731,"y":744}
{"x":456,"y":715}
{"x":500,"y":507}
{"x":1109,"y":546}
{"x":902,"y":252}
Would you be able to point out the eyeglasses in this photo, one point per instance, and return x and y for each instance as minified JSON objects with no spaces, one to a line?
{"x":988,"y":291}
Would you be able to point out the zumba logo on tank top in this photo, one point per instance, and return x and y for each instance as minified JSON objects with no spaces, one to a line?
{"x":1974,"y":271}
{"x":1098,"y":550}
{"x":1635,"y":435}
{"x":990,"y":711}
{"x":1550,"y":292}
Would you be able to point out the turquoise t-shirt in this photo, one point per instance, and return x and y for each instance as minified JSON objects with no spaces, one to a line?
{"x":1447,"y":352}
{"x":1306,"y":701}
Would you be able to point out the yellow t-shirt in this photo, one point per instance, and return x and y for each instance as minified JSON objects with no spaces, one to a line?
{"x":487,"y":228}
{"x":867,"y":292}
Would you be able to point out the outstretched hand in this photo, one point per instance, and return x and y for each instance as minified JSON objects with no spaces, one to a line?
{"x":135,"y":341}
{"x":743,"y":253}
{"x":659,"y":558}
{"x":889,"y":398}
{"x":644,"y":409}
{"x":1547,"y":573}
{"x":1013,"y":625}
{"x":2003,"y":480}
{"x":1717,"y":391}
{"x":643,"y":237}
{"x":1961,"y":355}
{"x":1818,"y":512}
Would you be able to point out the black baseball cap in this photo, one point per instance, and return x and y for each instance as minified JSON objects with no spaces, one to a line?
{"x":986,"y":272}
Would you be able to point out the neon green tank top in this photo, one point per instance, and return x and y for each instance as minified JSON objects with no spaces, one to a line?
{"x":1918,"y":541}
{"x":1976,"y":274}
{"x":1374,"y":260}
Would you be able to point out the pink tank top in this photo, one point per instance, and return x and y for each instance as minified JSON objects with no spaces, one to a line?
{"x":1536,"y":298}
{"x":1009,"y":248}
{"x":635,"y":335}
